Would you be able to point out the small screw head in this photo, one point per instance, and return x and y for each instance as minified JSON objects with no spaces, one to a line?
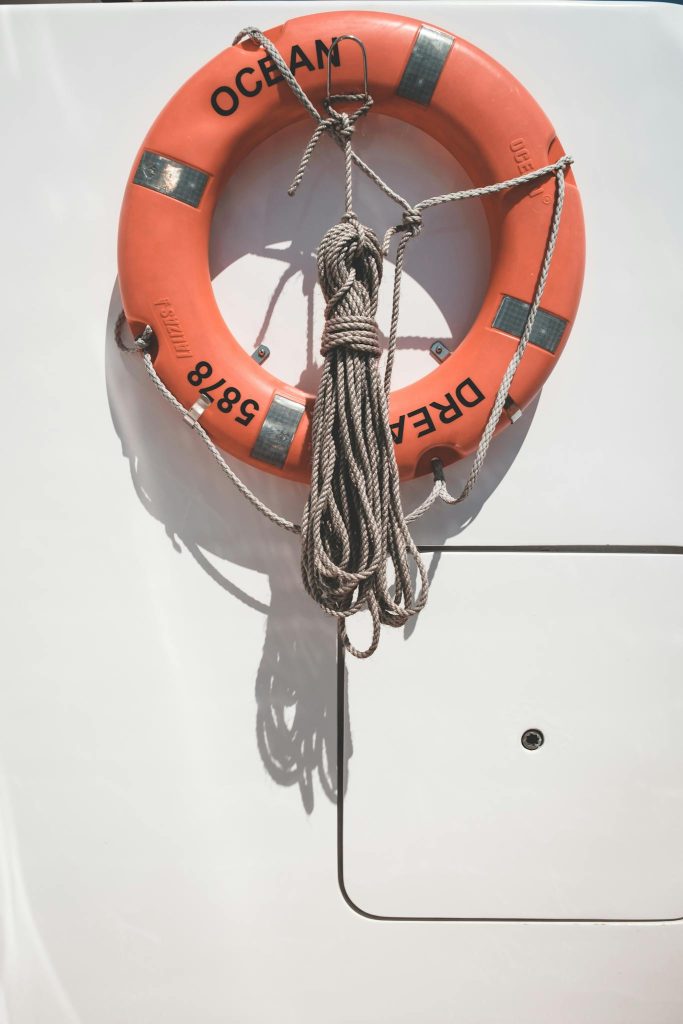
{"x":532,"y":739}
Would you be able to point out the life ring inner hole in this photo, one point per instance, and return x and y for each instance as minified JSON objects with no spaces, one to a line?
{"x":263,"y":242}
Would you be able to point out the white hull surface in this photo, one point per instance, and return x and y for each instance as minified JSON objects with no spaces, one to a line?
{"x":170,"y":845}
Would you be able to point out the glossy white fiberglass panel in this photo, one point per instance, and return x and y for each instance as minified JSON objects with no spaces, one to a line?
{"x":168,"y":699}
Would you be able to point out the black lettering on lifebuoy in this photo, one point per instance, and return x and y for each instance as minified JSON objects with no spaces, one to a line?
{"x":448,"y":412}
{"x":469,"y":402}
{"x":224,"y":90}
{"x":322,"y":54}
{"x":422,"y":421}
{"x":247,"y":415}
{"x":249,"y":80}
{"x":427,"y":422}
{"x":397,"y":429}
{"x":258,"y":85}
{"x":271,"y":75}
{"x":298,"y":59}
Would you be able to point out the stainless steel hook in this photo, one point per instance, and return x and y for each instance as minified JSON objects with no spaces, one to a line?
{"x":335,"y":46}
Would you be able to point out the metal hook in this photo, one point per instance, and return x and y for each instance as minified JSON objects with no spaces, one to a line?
{"x":335,"y":46}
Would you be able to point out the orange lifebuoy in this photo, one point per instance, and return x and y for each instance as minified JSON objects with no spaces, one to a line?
{"x":419,"y":74}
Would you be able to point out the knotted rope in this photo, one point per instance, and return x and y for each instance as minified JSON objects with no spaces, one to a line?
{"x":353,"y":524}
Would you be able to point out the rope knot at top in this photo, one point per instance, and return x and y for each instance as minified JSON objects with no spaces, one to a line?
{"x":341,"y":123}
{"x":338,"y":123}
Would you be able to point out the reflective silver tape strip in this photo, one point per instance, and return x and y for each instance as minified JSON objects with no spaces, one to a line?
{"x":171,"y":178}
{"x":425,"y":64}
{"x":277,"y":430}
{"x":512,"y":317}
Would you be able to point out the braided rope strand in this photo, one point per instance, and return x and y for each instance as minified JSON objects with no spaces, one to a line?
{"x":231,"y":475}
{"x":439,"y":489}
